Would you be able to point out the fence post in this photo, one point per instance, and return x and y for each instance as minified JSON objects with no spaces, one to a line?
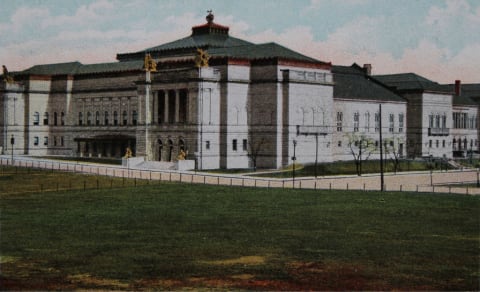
{"x":330,"y":186}
{"x":400,"y":187}
{"x":363,"y":186}
{"x":315,"y":187}
{"x":347,"y":186}
{"x":218,"y":180}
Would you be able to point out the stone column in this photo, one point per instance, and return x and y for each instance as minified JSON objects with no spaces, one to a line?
{"x":177,"y":106}
{"x":154,"y":107}
{"x":165,"y":108}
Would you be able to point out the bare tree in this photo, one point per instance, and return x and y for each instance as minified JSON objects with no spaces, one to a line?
{"x":254,"y":148}
{"x":361,"y":147}
{"x":393,"y":149}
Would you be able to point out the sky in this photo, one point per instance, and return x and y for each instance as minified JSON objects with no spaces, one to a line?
{"x":437,"y":39}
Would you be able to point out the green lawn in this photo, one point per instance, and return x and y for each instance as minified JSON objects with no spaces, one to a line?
{"x":348,"y":167}
{"x":181,"y":236}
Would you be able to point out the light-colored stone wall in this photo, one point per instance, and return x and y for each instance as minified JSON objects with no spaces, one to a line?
{"x":341,"y":148}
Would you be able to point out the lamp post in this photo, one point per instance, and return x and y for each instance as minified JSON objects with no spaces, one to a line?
{"x":293,"y":159}
{"x":12,"y":142}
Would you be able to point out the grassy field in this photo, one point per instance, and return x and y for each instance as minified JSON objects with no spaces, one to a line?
{"x":348,"y":167}
{"x":181,"y":236}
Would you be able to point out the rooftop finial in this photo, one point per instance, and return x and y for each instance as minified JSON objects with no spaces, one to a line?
{"x":209,"y":16}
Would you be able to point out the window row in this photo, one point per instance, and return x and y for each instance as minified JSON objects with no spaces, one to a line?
{"x":464,"y":121}
{"x":46,"y":121}
{"x":105,"y":120}
{"x":57,"y":141}
{"x":367,"y":125}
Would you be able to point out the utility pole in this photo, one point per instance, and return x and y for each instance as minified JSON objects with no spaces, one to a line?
{"x":381,"y":147}
{"x":293,"y":159}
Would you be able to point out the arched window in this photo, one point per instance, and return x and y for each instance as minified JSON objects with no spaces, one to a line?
{"x":181,"y":144}
{"x":115,"y":118}
{"x":97,"y":118}
{"x":105,"y":118}
{"x":170,"y":150}
{"x":80,"y":118}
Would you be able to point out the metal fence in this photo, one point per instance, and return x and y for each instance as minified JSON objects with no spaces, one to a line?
{"x":437,"y":182}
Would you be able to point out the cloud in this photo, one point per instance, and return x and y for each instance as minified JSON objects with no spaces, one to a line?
{"x":85,"y":14}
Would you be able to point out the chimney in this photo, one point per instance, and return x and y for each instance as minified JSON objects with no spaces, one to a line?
{"x":368,"y":69}
{"x":458,"y":87}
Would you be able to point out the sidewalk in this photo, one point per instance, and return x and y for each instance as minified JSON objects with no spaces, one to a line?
{"x":412,"y":181}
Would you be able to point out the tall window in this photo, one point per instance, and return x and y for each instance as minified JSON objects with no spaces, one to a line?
{"x":36,"y":119}
{"x":105,"y":119}
{"x":124,"y":118}
{"x":245,"y":145}
{"x":89,"y":118}
{"x":80,"y":118}
{"x":62,"y":118}
{"x":234,"y":144}
{"x":134,"y":117}
{"x":45,"y":141}
{"x":35,"y":140}
{"x":45,"y":118}
{"x":367,"y":122}
{"x":55,"y":118}
{"x":356,"y":121}
{"x":115,"y":118}
{"x":97,"y":118}
{"x":377,"y":122}
{"x":391,"y":119}
{"x":444,"y":121}
{"x":430,"y":121}
{"x":437,"y":121}
{"x":400,"y":123}
{"x":339,"y":121}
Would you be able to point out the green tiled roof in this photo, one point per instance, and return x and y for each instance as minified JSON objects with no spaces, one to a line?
{"x":217,"y":42}
{"x":353,"y":83}
{"x":200,"y":41}
{"x":261,"y":51}
{"x":73,"y":68}
{"x":54,"y":69}
{"x":469,"y":94}
{"x":409,"y":81}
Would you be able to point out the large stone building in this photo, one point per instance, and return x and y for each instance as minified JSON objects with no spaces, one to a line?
{"x":227,"y":103}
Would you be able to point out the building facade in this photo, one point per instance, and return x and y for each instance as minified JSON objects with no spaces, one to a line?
{"x":227,"y":103}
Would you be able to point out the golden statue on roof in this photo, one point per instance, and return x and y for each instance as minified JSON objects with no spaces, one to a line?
{"x":149,"y":64}
{"x":201,"y":59}
{"x":6,"y":76}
